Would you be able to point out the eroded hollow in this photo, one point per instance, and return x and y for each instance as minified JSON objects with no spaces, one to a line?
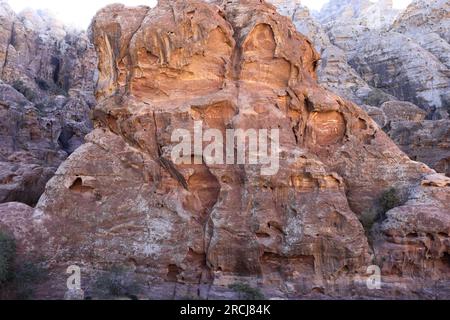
{"x":260,"y":64}
{"x":204,"y":191}
{"x":77,"y":186}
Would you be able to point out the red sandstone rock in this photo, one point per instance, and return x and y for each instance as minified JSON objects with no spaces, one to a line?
{"x":120,"y":200}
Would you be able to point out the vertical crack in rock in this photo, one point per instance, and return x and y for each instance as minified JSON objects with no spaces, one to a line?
{"x":9,"y":43}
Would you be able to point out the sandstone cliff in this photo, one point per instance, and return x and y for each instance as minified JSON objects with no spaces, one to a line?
{"x":47,"y":79}
{"x":119,"y":199}
{"x":403,"y":54}
{"x":372,"y":54}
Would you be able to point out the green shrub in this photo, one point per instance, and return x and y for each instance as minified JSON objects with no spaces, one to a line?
{"x":390,"y":199}
{"x":43,"y":85}
{"x":7,"y":257}
{"x":116,"y":282}
{"x":247,"y":292}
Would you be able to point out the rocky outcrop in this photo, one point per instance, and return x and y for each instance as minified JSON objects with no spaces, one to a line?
{"x":398,"y":65}
{"x":15,"y":220}
{"x":345,"y":22}
{"x":365,"y":13}
{"x":416,"y":236}
{"x":425,"y":141}
{"x":334,"y":72}
{"x":122,"y":199}
{"x":47,"y":91}
{"x":372,"y":53}
{"x":403,"y":54}
{"x":402,"y":111}
{"x":375,"y":56}
{"x":428,"y":24}
{"x":425,"y":17}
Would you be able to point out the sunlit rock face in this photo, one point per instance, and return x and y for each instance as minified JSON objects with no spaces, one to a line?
{"x":47,"y":80}
{"x":120,"y":199}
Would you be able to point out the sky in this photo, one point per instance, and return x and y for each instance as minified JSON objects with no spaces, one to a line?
{"x":80,"y":12}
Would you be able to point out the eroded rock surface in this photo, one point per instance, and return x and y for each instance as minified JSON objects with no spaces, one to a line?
{"x":119,"y":198}
{"x":404,"y":54}
{"x":47,"y":79}
{"x":334,"y":72}
{"x":373,"y":54}
{"x":425,"y":141}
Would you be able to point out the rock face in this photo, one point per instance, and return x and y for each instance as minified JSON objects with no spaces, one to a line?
{"x":372,"y":54}
{"x":426,"y":18}
{"x":401,"y":67}
{"x":428,"y":24}
{"x":398,"y":111}
{"x":403,"y":54}
{"x":15,"y":219}
{"x":47,"y":78}
{"x":334,"y":72}
{"x":425,"y":141}
{"x":120,"y":199}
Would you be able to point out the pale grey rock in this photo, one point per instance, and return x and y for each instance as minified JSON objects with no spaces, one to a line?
{"x":334,"y":72}
{"x":402,"y":111}
{"x":424,"y":141}
{"x":404,"y":54}
{"x":398,"y":65}
{"x":363,"y":13}
{"x":376,"y":114}
{"x":424,"y":17}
